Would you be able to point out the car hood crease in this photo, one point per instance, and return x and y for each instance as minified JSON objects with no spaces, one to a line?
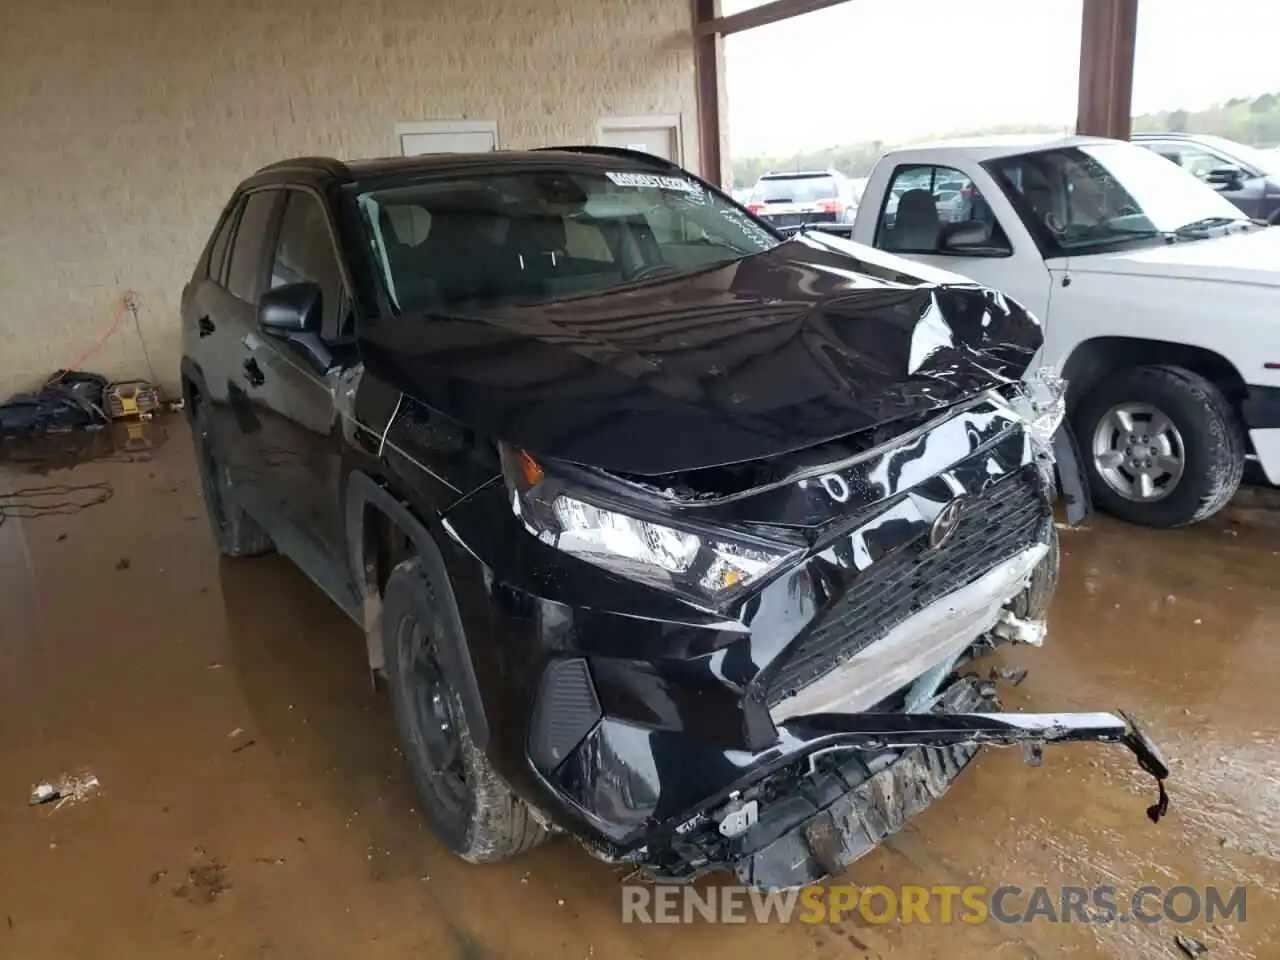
{"x":810,"y":341}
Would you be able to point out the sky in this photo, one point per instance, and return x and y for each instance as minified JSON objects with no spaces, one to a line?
{"x":896,"y":69}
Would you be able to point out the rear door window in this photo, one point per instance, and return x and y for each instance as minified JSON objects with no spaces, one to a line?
{"x":247,"y":271}
{"x":800,"y":189}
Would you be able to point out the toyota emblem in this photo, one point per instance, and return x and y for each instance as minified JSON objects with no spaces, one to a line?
{"x":945,"y":523}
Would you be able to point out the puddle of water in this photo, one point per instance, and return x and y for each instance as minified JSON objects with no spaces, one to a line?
{"x":120,"y":441}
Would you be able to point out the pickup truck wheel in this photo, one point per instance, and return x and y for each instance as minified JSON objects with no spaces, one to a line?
{"x":236,"y":533}
{"x":467,"y":804}
{"x":1162,"y":447}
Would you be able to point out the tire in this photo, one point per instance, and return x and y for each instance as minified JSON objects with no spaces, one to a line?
{"x":467,"y":804}
{"x":1275,"y":219}
{"x":1203,"y":425}
{"x":1033,"y":602}
{"x":236,"y":533}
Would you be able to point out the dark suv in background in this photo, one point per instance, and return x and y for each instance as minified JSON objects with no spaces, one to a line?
{"x":1248,"y":177}
{"x":663,"y":531}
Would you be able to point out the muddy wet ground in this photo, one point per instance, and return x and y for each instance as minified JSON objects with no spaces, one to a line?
{"x":252,"y":804}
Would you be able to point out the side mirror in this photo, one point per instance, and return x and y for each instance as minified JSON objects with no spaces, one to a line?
{"x":291,"y":310}
{"x":965,"y":236}
{"x":1229,"y":177}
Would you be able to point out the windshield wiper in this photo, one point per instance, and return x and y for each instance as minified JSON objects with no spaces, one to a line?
{"x":1204,"y":223}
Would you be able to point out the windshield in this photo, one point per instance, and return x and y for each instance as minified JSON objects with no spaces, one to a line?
{"x":544,"y":235}
{"x":799,"y":189}
{"x":1082,"y":198}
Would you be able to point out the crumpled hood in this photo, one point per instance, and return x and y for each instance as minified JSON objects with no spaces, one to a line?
{"x":815,"y":339}
{"x":1252,"y":257}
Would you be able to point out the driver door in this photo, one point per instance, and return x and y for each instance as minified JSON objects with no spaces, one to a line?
{"x":929,"y":214}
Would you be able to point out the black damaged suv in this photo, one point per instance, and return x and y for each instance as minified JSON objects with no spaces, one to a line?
{"x":664,"y":531}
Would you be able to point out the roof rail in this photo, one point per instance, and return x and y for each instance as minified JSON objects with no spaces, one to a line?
{"x":327,"y":164}
{"x":615,"y":152}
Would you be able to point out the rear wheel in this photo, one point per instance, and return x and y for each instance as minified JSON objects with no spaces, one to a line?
{"x":1162,"y":446}
{"x":236,"y":533}
{"x":468,"y":805}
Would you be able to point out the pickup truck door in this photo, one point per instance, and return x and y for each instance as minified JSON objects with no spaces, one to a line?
{"x":953,"y":217}
{"x":297,"y":442}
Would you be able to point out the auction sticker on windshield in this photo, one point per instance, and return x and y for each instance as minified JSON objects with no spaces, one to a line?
{"x":629,"y":179}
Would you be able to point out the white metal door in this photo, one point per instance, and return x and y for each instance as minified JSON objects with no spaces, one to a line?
{"x":659,"y":136}
{"x":447,"y":136}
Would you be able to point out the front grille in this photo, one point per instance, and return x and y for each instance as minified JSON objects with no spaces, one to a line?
{"x":1005,"y":520}
{"x":798,"y":219}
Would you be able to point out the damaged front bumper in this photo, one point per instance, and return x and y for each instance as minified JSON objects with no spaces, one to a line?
{"x":787,"y":733}
{"x":862,"y":776}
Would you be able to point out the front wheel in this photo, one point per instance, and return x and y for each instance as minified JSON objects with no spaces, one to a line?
{"x":1162,"y":447}
{"x":468,"y":805}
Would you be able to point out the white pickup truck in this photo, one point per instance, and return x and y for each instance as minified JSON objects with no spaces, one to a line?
{"x":1161,"y":304}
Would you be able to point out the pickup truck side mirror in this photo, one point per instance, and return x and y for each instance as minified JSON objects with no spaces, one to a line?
{"x":1231,"y":178}
{"x":295,"y":308}
{"x":972,"y":237}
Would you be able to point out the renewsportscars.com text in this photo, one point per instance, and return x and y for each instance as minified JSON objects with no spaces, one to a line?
{"x":942,"y":904}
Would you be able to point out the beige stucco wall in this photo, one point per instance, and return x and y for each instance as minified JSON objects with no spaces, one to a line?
{"x":125,"y":124}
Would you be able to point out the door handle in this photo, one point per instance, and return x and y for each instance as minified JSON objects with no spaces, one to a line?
{"x":204,"y":326}
{"x":253,"y":373}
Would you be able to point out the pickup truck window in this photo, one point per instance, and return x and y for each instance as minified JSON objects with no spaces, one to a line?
{"x":1098,"y":197}
{"x":928,"y":208}
{"x":539,"y":236}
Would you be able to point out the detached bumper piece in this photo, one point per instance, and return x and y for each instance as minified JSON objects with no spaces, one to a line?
{"x":869,"y":773}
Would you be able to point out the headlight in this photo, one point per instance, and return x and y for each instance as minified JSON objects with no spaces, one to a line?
{"x":702,"y":565}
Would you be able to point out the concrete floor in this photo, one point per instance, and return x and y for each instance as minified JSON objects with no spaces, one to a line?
{"x":298,"y":837}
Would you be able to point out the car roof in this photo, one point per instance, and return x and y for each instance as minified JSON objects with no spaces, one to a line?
{"x":378,"y":169}
{"x":1006,"y":145}
{"x":1165,"y":135}
{"x":1208,"y":139}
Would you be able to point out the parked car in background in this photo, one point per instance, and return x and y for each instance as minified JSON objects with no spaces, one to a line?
{"x":1161,"y":301}
{"x":790,"y":200}
{"x":666,"y":532}
{"x":1247,"y":176}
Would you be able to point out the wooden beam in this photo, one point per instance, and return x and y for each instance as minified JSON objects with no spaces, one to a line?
{"x":708,"y":63}
{"x":714,"y":25}
{"x":1108,"y":32}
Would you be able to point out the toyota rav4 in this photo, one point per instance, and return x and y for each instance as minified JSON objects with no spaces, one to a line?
{"x":664,"y":531}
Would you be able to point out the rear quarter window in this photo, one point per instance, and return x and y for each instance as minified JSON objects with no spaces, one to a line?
{"x":221,"y":241}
